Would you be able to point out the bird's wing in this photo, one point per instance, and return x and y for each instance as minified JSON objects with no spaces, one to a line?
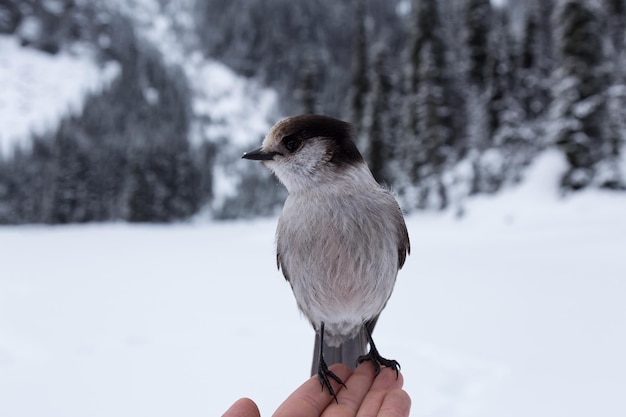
{"x":281,"y":266}
{"x":280,"y":249}
{"x":404,"y":245}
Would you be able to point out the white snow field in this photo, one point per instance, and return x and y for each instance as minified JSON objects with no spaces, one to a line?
{"x":519,"y":309}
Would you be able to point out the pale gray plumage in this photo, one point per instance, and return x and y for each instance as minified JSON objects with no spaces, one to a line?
{"x":341,"y":238}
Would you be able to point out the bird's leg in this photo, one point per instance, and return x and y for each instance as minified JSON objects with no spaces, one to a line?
{"x":376,"y":359}
{"x":323,"y":373}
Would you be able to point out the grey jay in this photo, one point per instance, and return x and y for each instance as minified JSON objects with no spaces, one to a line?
{"x":341,"y":237}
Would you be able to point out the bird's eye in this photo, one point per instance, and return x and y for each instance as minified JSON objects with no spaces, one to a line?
{"x":291,"y":143}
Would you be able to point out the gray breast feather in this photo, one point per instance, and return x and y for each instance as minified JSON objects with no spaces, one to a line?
{"x":341,"y":253}
{"x":345,"y":219}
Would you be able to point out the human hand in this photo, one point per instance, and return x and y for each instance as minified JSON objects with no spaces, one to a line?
{"x":366,"y":394}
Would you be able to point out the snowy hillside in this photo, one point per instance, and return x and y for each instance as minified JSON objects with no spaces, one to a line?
{"x":181,"y":96}
{"x":39,"y":88}
{"x":516,"y":310}
{"x":228,"y":106}
{"x":229,"y":110}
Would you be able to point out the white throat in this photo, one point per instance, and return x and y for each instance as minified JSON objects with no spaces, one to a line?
{"x":326,"y":179}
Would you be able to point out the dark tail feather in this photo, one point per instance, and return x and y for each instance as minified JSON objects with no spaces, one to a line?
{"x":347,"y":353}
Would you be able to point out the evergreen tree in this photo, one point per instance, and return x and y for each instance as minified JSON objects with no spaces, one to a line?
{"x":478,"y":24}
{"x":530,"y":78}
{"x":306,"y":90}
{"x":543,"y":10}
{"x":578,"y":109}
{"x":382,"y":132}
{"x":164,"y":185}
{"x":26,"y":184}
{"x":507,"y":149}
{"x":429,"y":124}
{"x":616,"y":17}
{"x":482,"y":98}
{"x":359,"y":88}
{"x":501,"y":75}
{"x":611,"y":173}
{"x":70,"y":189}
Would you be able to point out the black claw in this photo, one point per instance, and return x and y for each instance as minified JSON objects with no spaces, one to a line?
{"x":377,"y":360}
{"x":323,"y":373}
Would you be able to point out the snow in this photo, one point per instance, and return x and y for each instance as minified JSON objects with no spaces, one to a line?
{"x":39,"y":88}
{"x":226,"y":105}
{"x":229,"y":110}
{"x":238,"y":108}
{"x":516,"y":309}
{"x":232,"y":112}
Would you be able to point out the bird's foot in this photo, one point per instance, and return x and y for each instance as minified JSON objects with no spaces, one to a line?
{"x":377,"y":360}
{"x":323,"y":373}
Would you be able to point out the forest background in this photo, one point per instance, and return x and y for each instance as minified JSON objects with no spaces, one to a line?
{"x":451,"y":99}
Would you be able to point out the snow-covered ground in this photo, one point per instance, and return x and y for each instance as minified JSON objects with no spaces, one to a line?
{"x":37,"y":89}
{"x":516,"y":310}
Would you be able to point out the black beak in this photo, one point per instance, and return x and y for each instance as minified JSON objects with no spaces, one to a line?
{"x":260,"y":155}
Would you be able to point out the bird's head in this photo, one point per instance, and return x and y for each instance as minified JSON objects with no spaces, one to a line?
{"x":309,"y":150}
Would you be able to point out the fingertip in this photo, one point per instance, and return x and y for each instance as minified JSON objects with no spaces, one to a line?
{"x":310,"y":399}
{"x":388,"y":379}
{"x":243,"y":407}
{"x":397,"y":403}
{"x":399,"y":378}
{"x":366,"y":368}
